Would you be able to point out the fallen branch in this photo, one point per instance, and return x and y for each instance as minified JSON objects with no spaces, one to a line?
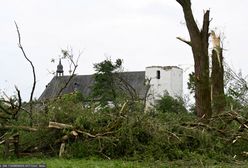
{"x":59,"y":125}
{"x":204,"y":126}
{"x":24,"y":128}
{"x":2,"y":142}
{"x":62,"y":149}
{"x":86,"y":133}
{"x":75,"y":132}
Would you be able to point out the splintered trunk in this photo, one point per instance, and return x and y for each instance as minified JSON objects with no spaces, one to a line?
{"x":217,"y":76}
{"x":199,"y":45}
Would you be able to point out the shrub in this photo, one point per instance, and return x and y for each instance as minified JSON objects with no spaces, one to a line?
{"x":168,"y":104}
{"x":130,"y":133}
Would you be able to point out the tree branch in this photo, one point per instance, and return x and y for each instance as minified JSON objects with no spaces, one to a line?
{"x":69,"y":56}
{"x":184,"y":2}
{"x":19,"y":103}
{"x":185,"y":41}
{"x":33,"y":69}
{"x":189,"y":18}
{"x":24,"y":54}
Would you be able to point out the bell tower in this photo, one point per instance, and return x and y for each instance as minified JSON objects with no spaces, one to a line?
{"x":163,"y":80}
{"x":60,"y":71}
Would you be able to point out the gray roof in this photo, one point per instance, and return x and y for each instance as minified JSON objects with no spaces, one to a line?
{"x":83,"y":83}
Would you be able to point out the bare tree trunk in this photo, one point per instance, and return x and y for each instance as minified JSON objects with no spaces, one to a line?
{"x":217,"y":76}
{"x":199,"y":45}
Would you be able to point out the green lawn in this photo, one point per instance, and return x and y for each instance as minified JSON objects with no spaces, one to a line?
{"x":96,"y":163}
{"x":79,"y":163}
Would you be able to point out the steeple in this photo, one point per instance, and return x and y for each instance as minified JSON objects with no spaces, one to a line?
{"x":60,"y":71}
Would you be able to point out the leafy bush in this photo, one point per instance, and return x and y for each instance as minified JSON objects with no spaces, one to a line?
{"x":126,"y":132}
{"x":169,"y":104}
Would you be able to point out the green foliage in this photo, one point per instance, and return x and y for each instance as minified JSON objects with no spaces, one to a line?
{"x":105,"y":88}
{"x":191,"y":83}
{"x":65,"y":109}
{"x":75,"y":97}
{"x":169,"y":104}
{"x":126,"y":132}
{"x":236,"y":90}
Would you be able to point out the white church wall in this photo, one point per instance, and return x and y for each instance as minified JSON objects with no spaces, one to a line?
{"x":164,"y":79}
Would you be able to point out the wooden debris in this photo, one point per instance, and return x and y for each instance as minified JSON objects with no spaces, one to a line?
{"x":59,"y":125}
{"x":24,"y":128}
{"x":62,"y":149}
{"x":74,"y":133}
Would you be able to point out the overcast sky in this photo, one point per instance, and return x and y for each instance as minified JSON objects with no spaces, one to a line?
{"x":141,"y":32}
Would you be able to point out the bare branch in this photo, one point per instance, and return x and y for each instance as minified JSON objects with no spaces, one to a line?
{"x":127,"y":87}
{"x":24,"y":128}
{"x":69,"y":56}
{"x":13,"y":106}
{"x":24,"y":54}
{"x":185,"y":41}
{"x":58,"y":125}
{"x":19,"y":103}
{"x":33,"y":69}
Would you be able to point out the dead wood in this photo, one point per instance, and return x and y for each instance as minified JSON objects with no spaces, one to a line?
{"x":62,"y":149}
{"x":24,"y":128}
{"x":206,"y":126}
{"x":34,"y":75}
{"x":12,"y":107}
{"x":59,"y":125}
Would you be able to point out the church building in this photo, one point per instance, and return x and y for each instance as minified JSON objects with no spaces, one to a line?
{"x":161,"y":80}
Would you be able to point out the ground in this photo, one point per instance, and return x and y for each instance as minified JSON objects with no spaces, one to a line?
{"x":98,"y":163}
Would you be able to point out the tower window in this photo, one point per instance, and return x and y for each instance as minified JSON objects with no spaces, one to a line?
{"x":158,"y":74}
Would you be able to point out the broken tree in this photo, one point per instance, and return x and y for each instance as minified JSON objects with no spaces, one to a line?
{"x":217,"y":76}
{"x":199,"y":45}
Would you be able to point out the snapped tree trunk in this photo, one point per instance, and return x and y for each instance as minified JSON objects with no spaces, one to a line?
{"x":199,"y":45}
{"x":217,"y":76}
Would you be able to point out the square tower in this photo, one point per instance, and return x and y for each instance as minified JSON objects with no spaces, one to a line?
{"x":163,"y":79}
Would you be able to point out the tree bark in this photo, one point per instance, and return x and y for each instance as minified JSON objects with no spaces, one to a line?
{"x":199,"y":46}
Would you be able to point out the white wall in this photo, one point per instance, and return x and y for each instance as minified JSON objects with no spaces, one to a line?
{"x":171,"y":81}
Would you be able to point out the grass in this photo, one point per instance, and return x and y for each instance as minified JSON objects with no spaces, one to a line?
{"x":97,"y":163}
{"x":77,"y":163}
